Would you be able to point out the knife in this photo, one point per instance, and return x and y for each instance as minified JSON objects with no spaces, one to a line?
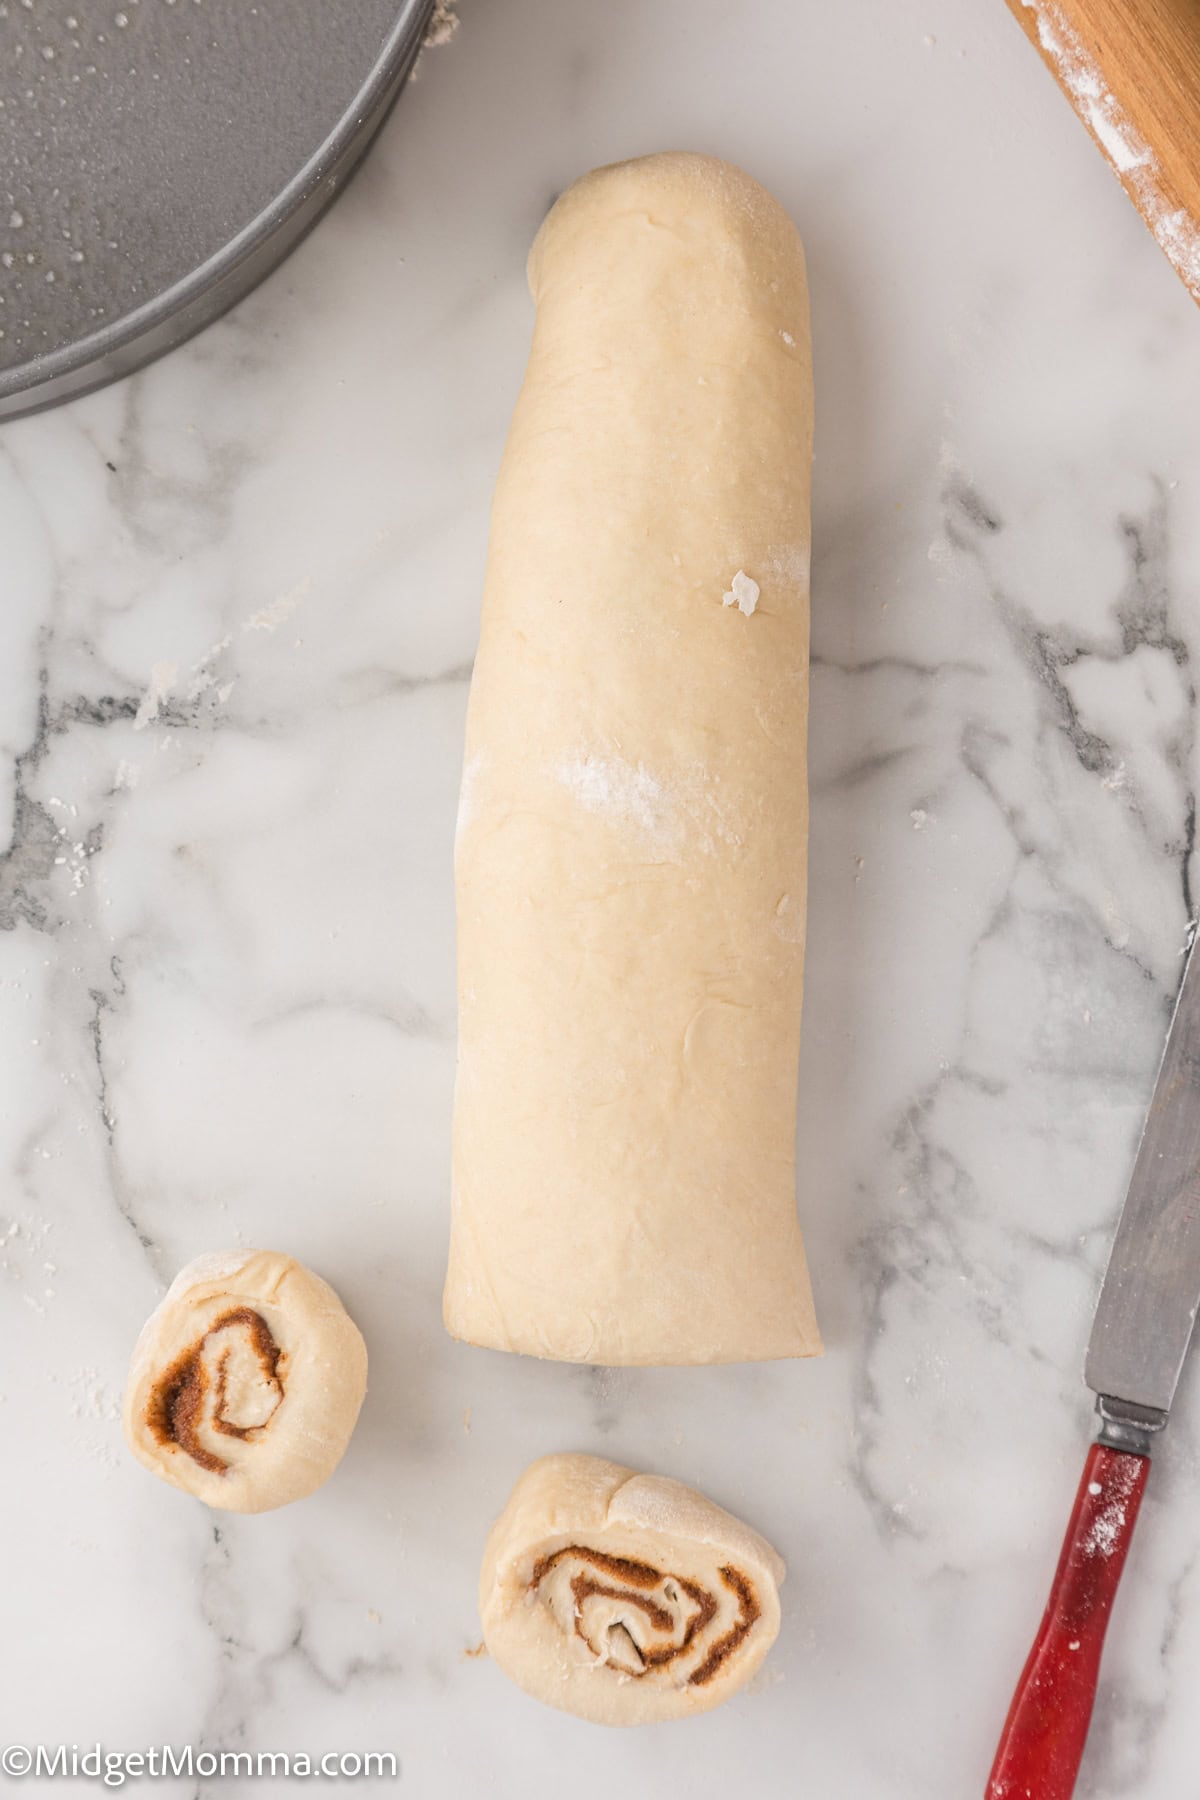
{"x":1140,"y":1335}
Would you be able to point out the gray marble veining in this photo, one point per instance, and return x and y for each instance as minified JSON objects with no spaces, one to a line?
{"x":239,"y":605}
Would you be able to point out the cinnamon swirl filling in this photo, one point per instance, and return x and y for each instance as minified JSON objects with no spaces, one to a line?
{"x":640,"y":1621}
{"x":228,"y":1384}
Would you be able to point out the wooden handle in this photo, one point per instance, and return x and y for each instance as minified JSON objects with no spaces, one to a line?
{"x":1131,"y":70}
{"x":1047,"y":1725}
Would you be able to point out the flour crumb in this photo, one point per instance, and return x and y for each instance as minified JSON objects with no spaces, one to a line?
{"x":467,"y":1420}
{"x":788,"y":339}
{"x":443,"y":25}
{"x":920,"y":818}
{"x":743,"y":593}
{"x":789,"y":920}
{"x":272,"y":616}
{"x":163,"y":676}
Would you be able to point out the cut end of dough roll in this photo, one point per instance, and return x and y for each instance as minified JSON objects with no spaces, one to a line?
{"x":625,"y":1599}
{"x":246,"y":1382}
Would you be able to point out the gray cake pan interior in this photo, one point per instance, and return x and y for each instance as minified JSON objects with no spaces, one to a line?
{"x":159,"y":157}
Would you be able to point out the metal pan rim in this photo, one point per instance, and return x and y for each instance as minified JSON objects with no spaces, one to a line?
{"x":205,"y":292}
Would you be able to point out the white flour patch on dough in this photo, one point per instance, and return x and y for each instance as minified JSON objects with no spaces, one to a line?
{"x":622,"y":792}
{"x":743,"y":593}
{"x":789,"y":921}
{"x":663,"y":814}
{"x":789,"y":563}
{"x":467,"y":793}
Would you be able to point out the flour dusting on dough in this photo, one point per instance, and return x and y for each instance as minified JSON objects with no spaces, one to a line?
{"x":789,"y":921}
{"x":626,"y":793}
{"x":743,"y":593}
{"x":467,"y":793}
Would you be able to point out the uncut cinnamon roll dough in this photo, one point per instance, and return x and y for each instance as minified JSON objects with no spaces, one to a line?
{"x":625,"y":1598}
{"x":632,"y":843}
{"x":246,"y":1381}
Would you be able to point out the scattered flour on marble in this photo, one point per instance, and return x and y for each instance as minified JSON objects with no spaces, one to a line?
{"x":204,"y":675}
{"x":743,"y":593}
{"x":1178,"y":235}
{"x":920,"y":818}
{"x":272,"y":616}
{"x":163,"y":676}
{"x":92,"y":1397}
{"x":127,"y":776}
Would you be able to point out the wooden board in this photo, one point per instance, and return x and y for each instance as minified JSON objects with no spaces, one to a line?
{"x":1131,"y":70}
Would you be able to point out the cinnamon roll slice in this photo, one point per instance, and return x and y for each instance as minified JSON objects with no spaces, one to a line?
{"x":624,"y":1598}
{"x":246,"y":1381}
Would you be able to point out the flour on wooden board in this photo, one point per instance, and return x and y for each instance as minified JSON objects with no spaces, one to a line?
{"x":1177,"y":234}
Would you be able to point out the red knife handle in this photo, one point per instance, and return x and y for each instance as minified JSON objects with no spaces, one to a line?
{"x":1041,"y":1745}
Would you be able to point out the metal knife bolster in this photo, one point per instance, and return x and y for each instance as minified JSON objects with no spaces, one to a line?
{"x":1151,"y":1290}
{"x":1125,"y":1426}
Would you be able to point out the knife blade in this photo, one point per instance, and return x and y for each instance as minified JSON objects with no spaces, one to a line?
{"x":1140,"y":1335}
{"x":1151,"y":1290}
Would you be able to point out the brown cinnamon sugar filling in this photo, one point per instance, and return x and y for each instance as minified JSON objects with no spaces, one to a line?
{"x":633,"y":1583}
{"x":180,"y":1401}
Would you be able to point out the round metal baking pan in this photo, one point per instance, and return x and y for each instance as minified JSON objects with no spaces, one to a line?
{"x":159,"y":157}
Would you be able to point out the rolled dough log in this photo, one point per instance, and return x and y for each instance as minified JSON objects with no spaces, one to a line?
{"x":246,"y":1381}
{"x":625,"y":1598}
{"x":632,"y":845}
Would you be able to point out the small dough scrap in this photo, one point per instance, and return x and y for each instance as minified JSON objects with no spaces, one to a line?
{"x":246,"y":1381}
{"x":626,"y":1599}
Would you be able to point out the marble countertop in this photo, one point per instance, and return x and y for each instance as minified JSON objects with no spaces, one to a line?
{"x":240,"y":599}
